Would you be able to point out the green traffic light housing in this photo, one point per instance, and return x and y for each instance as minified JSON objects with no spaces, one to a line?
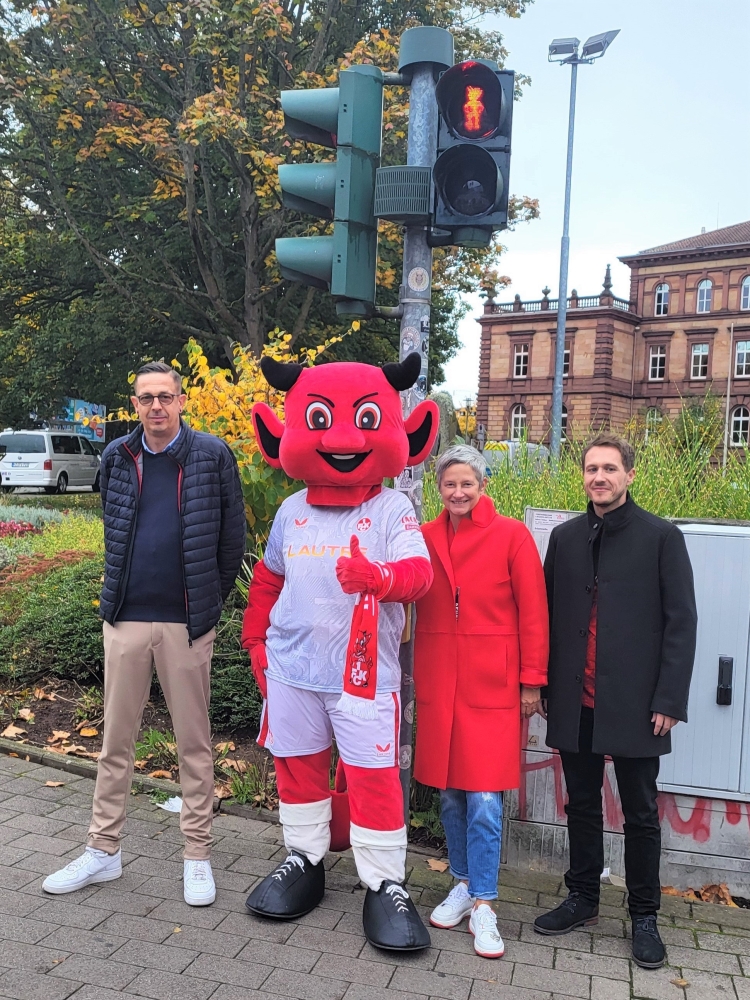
{"x":349,"y":119}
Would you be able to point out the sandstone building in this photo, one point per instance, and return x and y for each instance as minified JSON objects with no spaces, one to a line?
{"x":684,"y":330}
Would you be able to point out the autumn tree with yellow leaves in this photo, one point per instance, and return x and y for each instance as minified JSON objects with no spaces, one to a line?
{"x":139,"y":147}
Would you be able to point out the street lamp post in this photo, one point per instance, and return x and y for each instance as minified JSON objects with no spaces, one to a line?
{"x":565,"y":51}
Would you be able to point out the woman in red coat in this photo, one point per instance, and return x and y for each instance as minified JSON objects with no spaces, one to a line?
{"x":480,"y":660}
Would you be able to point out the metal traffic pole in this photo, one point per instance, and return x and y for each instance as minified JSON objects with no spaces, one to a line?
{"x":435,"y":45}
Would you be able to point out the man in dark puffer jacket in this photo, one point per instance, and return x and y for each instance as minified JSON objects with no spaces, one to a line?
{"x":174,"y":535}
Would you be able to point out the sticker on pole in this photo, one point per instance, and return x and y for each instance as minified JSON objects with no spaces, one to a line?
{"x":409,"y":339}
{"x":418,"y":280}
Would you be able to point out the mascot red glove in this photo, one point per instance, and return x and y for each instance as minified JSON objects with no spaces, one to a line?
{"x":259,"y":665}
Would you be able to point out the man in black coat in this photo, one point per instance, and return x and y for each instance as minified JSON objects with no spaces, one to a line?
{"x":174,"y":539}
{"x":622,"y":643}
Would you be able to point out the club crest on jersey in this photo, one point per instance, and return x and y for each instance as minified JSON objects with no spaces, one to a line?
{"x":364,"y":524}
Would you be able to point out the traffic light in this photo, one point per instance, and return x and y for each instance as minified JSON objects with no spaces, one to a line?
{"x":470,"y":176}
{"x":347,"y":118}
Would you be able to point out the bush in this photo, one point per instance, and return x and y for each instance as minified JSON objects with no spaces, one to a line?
{"x":58,"y":630}
{"x":40,"y":517}
{"x":235,"y":700}
{"x":79,"y":502}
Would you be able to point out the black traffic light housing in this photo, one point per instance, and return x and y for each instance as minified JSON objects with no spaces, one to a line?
{"x":470,"y":176}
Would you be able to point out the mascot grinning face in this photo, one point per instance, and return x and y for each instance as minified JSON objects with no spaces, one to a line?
{"x":344,"y":425}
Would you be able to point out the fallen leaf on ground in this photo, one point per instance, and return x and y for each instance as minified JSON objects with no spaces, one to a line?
{"x":41,"y":695}
{"x":11,"y":732}
{"x":223,"y":792}
{"x":679,"y":982}
{"x":177,"y":930}
{"x":92,"y":755}
{"x":12,"y":754}
{"x":716,"y":894}
{"x":53,"y":784}
{"x":88,"y":732}
{"x":139,"y":765}
{"x":26,"y":714}
{"x":437,"y":866}
{"x":229,"y":763}
{"x":160,"y":774}
{"x":57,"y":736}
{"x":224,"y":747}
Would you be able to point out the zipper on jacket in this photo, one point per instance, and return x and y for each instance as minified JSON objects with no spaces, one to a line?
{"x":131,"y":540}
{"x":458,"y":591}
{"x":182,"y":550}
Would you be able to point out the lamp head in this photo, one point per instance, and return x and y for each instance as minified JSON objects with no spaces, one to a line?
{"x":597,"y":45}
{"x":562,"y":49}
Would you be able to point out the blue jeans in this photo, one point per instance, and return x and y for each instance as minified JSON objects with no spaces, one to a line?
{"x":473,"y":823}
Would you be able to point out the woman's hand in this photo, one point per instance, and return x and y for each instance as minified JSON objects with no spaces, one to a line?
{"x":531,"y":702}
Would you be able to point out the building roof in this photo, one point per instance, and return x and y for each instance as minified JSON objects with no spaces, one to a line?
{"x":728,"y":236}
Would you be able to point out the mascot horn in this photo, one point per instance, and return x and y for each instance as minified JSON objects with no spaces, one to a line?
{"x":323,"y":625}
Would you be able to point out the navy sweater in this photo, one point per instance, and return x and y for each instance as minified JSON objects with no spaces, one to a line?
{"x":155,"y":589}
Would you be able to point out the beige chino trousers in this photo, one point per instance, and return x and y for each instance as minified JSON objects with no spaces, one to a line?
{"x":131,"y":651}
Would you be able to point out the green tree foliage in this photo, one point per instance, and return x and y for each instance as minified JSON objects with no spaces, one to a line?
{"x":139,"y":145}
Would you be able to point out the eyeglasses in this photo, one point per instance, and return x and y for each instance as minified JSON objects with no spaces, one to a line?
{"x":165,"y":398}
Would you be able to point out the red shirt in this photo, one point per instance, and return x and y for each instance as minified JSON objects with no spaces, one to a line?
{"x":589,"y":674}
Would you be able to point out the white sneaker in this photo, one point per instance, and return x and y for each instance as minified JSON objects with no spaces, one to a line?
{"x":483,"y":925}
{"x":456,"y":905}
{"x":92,"y":866}
{"x":198,"y":883}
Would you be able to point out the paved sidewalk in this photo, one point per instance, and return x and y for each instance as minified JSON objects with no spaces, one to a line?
{"x":136,"y":937}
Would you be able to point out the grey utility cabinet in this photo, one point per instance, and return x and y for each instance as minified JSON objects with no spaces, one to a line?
{"x":712,"y":753}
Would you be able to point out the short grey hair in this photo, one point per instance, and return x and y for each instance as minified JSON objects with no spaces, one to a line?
{"x":461,"y":454}
{"x":158,"y":368}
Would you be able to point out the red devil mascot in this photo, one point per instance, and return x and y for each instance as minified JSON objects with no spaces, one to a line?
{"x":324,"y":622}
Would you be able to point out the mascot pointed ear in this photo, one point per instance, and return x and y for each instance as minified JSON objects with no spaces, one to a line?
{"x":280,"y":374}
{"x":422,"y":426}
{"x":403,"y":374}
{"x":268,"y":430}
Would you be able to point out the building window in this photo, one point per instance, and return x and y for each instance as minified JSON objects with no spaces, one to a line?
{"x":521,"y":361}
{"x":699,"y":361}
{"x":742,"y":359}
{"x":745,"y":293}
{"x":653,"y":420}
{"x":657,"y":363}
{"x":704,"y":296}
{"x":564,"y":423}
{"x":518,"y":422}
{"x":566,"y":359}
{"x":740,"y":426}
{"x":661,"y":300}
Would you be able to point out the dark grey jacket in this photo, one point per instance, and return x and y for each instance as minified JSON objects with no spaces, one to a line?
{"x":212,"y":515}
{"x":646,"y":626}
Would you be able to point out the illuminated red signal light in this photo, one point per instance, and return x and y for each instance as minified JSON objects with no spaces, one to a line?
{"x":470,"y":100}
{"x":473,"y":109}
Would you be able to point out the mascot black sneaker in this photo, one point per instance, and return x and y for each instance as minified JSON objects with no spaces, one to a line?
{"x":290,"y":891}
{"x":391,"y":920}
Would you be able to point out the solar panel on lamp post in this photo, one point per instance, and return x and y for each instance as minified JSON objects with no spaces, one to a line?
{"x":565,"y":51}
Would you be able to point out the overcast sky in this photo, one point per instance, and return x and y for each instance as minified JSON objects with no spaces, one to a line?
{"x":662,"y":141}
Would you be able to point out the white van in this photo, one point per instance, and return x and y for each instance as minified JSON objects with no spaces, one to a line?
{"x":51,"y":459}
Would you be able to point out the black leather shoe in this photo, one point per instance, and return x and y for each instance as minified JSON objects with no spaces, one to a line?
{"x":391,"y":921}
{"x":648,"y":947}
{"x":571,"y":913}
{"x":291,"y":891}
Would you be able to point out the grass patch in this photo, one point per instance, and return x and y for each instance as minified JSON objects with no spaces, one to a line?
{"x":159,"y":749}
